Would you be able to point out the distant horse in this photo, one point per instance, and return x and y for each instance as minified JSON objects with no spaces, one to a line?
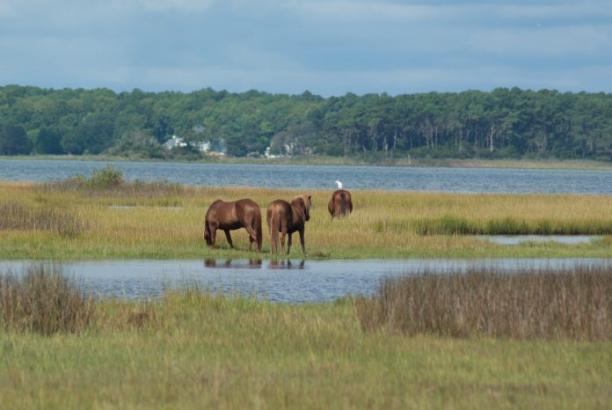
{"x":228,"y":216}
{"x":286,"y":218}
{"x":340,"y":203}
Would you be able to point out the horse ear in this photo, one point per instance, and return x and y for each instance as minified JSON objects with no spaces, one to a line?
{"x":309,"y":197}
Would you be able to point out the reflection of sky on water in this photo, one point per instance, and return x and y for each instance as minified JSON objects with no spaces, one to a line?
{"x":291,"y":281}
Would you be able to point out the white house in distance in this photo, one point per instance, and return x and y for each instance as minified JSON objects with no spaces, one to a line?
{"x":202,"y":146}
{"x":174,"y":142}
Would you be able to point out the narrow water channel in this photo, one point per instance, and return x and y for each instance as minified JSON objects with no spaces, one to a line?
{"x":291,"y":281}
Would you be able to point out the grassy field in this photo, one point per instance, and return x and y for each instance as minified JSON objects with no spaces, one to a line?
{"x":197,"y":350}
{"x":160,"y":220}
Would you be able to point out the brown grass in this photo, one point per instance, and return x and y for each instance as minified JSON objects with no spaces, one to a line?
{"x":18,"y":216}
{"x":43,"y":301}
{"x":574,"y":304}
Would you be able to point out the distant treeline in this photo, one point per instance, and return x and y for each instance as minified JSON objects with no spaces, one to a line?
{"x":504,"y":123}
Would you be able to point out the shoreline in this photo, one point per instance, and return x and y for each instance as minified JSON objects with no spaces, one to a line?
{"x":590,"y":165}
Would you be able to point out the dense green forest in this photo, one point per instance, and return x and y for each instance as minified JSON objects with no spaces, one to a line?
{"x":504,"y":123}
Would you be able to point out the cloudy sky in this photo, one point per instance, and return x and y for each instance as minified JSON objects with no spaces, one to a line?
{"x":329,"y":47}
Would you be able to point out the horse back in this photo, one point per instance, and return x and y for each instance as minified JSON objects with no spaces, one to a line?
{"x":340,"y":203}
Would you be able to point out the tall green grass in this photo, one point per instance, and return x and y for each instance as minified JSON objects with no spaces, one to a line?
{"x":453,"y":225}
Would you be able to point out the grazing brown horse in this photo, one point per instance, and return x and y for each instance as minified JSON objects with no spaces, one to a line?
{"x":228,"y":216}
{"x":340,"y":204}
{"x":286,"y":218}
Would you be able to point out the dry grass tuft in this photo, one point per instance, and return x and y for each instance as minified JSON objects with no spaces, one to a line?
{"x":16,"y":215}
{"x":575,"y":304}
{"x":43,"y":301}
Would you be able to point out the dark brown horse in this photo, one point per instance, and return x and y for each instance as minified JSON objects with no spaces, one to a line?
{"x":286,"y":218}
{"x":228,"y":216}
{"x":340,"y":204}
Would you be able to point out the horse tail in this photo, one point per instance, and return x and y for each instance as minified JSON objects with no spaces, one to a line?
{"x":274,"y":225}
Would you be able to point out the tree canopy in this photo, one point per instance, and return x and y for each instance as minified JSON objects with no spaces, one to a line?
{"x":503,"y":123}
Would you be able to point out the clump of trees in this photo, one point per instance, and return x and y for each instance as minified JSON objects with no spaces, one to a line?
{"x":504,"y":123}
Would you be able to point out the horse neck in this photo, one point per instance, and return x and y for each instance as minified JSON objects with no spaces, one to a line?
{"x":298,"y":215}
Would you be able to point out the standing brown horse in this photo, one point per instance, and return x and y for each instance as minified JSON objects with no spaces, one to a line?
{"x":340,"y":204}
{"x":228,"y":216}
{"x":286,"y":218}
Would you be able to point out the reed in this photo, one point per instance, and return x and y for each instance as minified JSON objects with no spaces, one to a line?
{"x":18,"y":216}
{"x":574,"y":304}
{"x":44,"y":301}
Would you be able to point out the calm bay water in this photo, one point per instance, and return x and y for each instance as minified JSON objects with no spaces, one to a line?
{"x":479,"y":180}
{"x":284,"y":281}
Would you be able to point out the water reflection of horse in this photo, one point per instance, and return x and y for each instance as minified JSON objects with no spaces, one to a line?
{"x":340,"y":204}
{"x":282,"y":264}
{"x":228,"y":216}
{"x":287,"y":218}
{"x":250,"y":264}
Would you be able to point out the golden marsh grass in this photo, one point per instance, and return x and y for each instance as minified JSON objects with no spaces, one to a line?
{"x":163,"y":222}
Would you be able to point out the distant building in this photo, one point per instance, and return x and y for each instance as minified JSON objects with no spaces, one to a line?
{"x":174,"y":142}
{"x":203,"y":146}
{"x":206,"y":147}
{"x":269,"y":155}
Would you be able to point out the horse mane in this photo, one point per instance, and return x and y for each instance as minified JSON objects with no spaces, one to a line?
{"x":304,"y":198}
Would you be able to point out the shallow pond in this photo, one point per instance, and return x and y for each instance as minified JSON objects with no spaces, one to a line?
{"x":283,"y":281}
{"x":519,"y":239}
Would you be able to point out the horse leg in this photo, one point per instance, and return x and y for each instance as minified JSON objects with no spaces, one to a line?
{"x":282,"y":241}
{"x":252,"y":235}
{"x":283,"y":234}
{"x":251,"y":240}
{"x":213,"y":234}
{"x":288,"y":244}
{"x":302,"y":241}
{"x":229,"y":238}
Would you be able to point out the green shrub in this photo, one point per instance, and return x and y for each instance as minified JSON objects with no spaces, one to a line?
{"x":105,"y":178}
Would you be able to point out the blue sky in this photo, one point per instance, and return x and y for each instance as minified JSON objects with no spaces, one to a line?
{"x":329,"y":47}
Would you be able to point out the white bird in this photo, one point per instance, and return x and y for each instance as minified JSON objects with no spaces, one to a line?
{"x":339,"y":184}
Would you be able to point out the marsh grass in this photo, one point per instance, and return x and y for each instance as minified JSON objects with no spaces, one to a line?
{"x":19,"y":216}
{"x":44,"y":301}
{"x":452,"y":225}
{"x":194,"y":349}
{"x":110,"y":181}
{"x":574,"y":304}
{"x":160,"y":220}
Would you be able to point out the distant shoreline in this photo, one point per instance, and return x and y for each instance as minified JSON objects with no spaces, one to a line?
{"x":339,"y":161}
